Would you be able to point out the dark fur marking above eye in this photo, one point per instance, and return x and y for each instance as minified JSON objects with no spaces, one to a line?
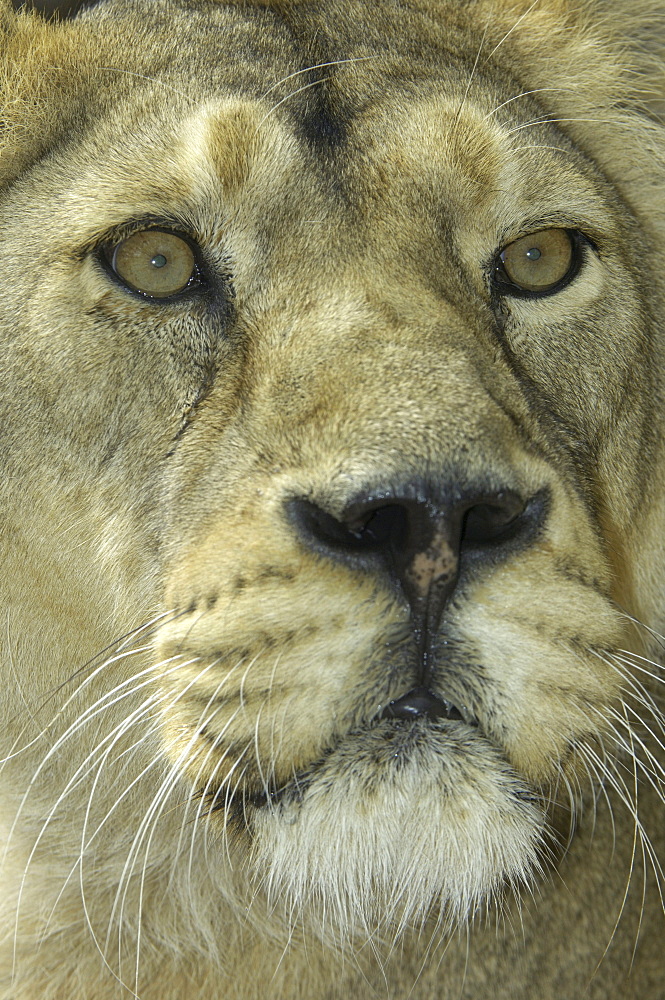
{"x":321,"y":129}
{"x":323,"y":126}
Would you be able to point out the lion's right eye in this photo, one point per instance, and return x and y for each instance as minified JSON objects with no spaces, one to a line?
{"x":155,"y":262}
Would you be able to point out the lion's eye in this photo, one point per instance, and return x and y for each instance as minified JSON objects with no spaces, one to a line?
{"x":542,"y":262}
{"x":155,"y":262}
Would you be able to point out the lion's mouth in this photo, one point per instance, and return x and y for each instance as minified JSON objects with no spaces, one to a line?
{"x":401,"y":729}
{"x":420,"y":702}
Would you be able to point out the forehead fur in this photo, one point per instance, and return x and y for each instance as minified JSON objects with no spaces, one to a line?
{"x":50,"y":69}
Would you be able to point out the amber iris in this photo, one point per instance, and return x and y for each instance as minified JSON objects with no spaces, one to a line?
{"x":539,"y":262}
{"x":155,"y":262}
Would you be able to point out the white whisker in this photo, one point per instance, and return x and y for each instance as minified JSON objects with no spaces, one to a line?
{"x":510,"y":31}
{"x":288,"y":97}
{"x":309,"y":69}
{"x":526,"y":93}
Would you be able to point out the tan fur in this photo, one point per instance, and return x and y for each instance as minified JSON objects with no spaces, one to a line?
{"x":199,"y":795}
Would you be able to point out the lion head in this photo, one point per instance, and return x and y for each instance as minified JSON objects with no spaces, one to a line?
{"x":331,"y":469}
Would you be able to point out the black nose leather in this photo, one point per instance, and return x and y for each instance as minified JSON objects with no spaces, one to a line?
{"x":415,"y":535}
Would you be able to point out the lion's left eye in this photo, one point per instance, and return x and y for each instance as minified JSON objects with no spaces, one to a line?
{"x":541,"y":263}
{"x":155,"y":262}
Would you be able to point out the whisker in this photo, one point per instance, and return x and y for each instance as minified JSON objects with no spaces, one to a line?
{"x":73,"y":782}
{"x":159,"y":799}
{"x":619,"y":122}
{"x":619,"y":786}
{"x":117,"y":647}
{"x":634,"y":688}
{"x":471,"y":74}
{"x":635,"y":661}
{"x":85,"y":846}
{"x":309,"y":69}
{"x":87,"y":841}
{"x":194,"y":782}
{"x":509,"y":33}
{"x":288,"y":97}
{"x":528,"y":93}
{"x":660,"y":639}
{"x":96,"y":709}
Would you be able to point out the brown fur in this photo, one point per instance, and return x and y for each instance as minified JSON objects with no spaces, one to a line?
{"x":199,"y":795}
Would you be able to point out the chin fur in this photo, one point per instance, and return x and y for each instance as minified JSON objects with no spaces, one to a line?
{"x":397,"y":824}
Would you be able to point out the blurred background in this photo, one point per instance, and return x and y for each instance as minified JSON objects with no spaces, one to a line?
{"x":59,"y":8}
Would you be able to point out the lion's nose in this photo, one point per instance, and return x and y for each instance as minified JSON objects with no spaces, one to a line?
{"x":417,"y":536}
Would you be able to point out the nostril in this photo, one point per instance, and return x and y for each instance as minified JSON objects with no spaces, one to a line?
{"x":419,"y":537}
{"x":490,"y":523}
{"x":363,"y":530}
{"x":315,"y":524}
{"x":384,"y":527}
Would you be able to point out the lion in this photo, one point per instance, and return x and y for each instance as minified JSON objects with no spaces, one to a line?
{"x":332,"y":500}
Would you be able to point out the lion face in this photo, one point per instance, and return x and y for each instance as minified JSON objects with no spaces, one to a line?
{"x":335,"y":377}
{"x":390,"y":584}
